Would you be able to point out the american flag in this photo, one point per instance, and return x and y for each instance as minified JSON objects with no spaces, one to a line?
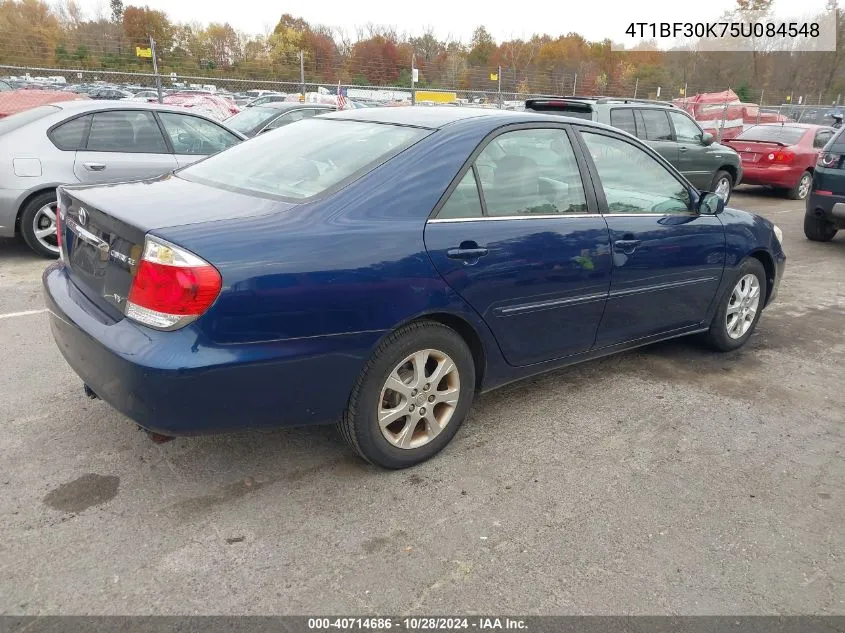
{"x":341,"y":100}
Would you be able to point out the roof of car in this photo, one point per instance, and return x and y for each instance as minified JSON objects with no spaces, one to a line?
{"x":801,"y":126}
{"x":573,"y":100}
{"x":433,"y":117}
{"x":289,"y":105}
{"x":90,"y":105}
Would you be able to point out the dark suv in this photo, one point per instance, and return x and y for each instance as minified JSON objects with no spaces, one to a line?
{"x":825,"y":212}
{"x":669,"y":130}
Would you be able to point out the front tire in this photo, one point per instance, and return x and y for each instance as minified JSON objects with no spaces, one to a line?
{"x":38,"y":224}
{"x":739,"y":308}
{"x":818,"y":229}
{"x":412,"y":396}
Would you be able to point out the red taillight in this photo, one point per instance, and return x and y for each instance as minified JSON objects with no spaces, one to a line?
{"x":782,"y":157}
{"x":822,"y":192}
{"x":172,"y":286}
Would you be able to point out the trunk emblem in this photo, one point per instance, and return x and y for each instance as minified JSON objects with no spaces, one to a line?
{"x":83,"y":216}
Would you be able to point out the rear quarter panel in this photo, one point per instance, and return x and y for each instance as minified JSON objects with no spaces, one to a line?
{"x":352,"y":262}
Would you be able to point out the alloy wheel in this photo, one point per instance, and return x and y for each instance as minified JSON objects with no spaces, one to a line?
{"x":742,"y":306}
{"x":44,"y":227}
{"x":804,"y":186}
{"x":723,"y":188}
{"x":418,"y":398}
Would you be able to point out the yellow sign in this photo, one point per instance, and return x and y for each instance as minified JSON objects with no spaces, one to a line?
{"x":436,"y":96}
{"x":494,"y":76}
{"x":143,"y":52}
{"x":681,"y":92}
{"x":789,"y":97}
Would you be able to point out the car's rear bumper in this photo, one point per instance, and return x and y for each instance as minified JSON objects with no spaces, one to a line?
{"x":177,"y":383}
{"x":773,"y":176}
{"x":829,"y":207}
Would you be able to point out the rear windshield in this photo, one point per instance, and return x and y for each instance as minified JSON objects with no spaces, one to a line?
{"x":250,"y":118}
{"x":773,"y":133}
{"x":303,"y":159}
{"x":15,"y":121}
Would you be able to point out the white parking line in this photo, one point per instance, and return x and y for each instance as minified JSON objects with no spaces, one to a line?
{"x":10,"y":315}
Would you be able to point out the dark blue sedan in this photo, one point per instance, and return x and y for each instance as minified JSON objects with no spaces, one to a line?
{"x":377,"y":268}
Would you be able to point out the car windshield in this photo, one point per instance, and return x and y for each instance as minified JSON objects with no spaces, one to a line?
{"x":773,"y":133}
{"x":247,"y":120}
{"x":15,"y":121}
{"x":303,"y":159}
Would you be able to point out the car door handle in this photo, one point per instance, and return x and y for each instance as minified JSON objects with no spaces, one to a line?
{"x":466,"y":253}
{"x":94,"y":166}
{"x":626,"y":246}
{"x":682,"y":149}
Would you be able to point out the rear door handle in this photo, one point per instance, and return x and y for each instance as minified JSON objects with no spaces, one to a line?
{"x":94,"y":166}
{"x":626,"y":246}
{"x":682,"y":149}
{"x":466,"y":253}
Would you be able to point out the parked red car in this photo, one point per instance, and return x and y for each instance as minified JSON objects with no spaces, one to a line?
{"x":781,"y":155}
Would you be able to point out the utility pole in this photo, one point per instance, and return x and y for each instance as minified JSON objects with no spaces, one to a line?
{"x":760,"y":106}
{"x":636,"y":86}
{"x":302,"y":74}
{"x":155,"y":67}
{"x":413,"y":78}
{"x":499,"y":79}
{"x":575,"y":85}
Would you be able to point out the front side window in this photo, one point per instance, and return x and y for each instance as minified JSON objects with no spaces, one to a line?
{"x":633,"y":181}
{"x":126,"y":131}
{"x":656,"y":125}
{"x":193,"y":135}
{"x":290,"y":117}
{"x":247,"y":120}
{"x":304,"y":160}
{"x":686,"y":131}
{"x":531,"y":172}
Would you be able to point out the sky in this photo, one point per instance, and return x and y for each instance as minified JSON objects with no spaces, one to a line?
{"x":594,"y":19}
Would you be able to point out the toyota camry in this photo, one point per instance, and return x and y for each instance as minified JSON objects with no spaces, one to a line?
{"x":378,"y":268}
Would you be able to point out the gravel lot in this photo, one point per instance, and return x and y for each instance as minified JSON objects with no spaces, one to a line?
{"x":669,"y":480}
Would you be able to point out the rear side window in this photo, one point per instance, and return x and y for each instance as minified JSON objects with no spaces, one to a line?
{"x":15,"y":121}
{"x":822,"y":137}
{"x":126,"y":131}
{"x":656,"y":125}
{"x":528,"y":172}
{"x":71,"y":135}
{"x":623,"y":118}
{"x":464,"y":201}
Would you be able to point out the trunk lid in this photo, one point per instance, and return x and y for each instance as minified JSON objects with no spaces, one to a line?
{"x":104,"y":228}
{"x":753,"y":151}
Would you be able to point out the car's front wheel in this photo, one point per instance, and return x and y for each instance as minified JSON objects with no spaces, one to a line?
{"x":739,"y":308}
{"x":411,"y":397}
{"x":38,"y":224}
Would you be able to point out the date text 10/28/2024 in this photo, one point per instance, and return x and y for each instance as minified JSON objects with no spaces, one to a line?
{"x":416,"y":623}
{"x":723,"y":29}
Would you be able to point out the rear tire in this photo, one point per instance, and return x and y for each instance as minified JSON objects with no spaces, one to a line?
{"x":801,"y":188}
{"x":34,"y":218}
{"x":722,"y":181}
{"x":738,"y":313}
{"x":424,"y":416}
{"x":818,"y":229}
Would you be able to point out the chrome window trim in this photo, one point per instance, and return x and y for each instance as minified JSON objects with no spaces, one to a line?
{"x":559,"y":216}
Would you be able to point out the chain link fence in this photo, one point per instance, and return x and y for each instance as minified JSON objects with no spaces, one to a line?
{"x":717,"y":108}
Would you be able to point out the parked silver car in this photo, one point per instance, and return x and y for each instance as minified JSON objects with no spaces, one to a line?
{"x":91,"y":142}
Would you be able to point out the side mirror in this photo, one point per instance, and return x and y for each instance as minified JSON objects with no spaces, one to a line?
{"x":707,"y":139}
{"x":710,"y":204}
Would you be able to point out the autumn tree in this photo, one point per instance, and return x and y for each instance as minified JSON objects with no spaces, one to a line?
{"x":142,"y":23}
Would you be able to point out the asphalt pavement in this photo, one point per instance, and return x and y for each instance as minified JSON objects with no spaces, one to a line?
{"x":668,"y":480}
